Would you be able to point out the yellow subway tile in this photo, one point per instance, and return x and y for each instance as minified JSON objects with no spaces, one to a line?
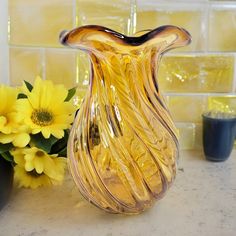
{"x":222,"y":30}
{"x":198,"y":136}
{"x":39,"y":22}
{"x":112,"y":14}
{"x":61,"y":66}
{"x":222,"y":103}
{"x":187,"y":135}
{"x":189,"y":20}
{"x":187,"y":108}
{"x":190,"y":73}
{"x":25,"y":64}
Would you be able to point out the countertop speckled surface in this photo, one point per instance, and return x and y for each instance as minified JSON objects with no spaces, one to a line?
{"x":202,"y":201}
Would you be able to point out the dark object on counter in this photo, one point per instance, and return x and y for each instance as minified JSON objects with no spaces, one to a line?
{"x":6,"y":181}
{"x":219,"y":131}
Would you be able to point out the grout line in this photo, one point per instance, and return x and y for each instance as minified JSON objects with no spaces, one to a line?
{"x":200,"y":53}
{"x":33,"y":47}
{"x":207,"y":22}
{"x":43,"y":63}
{"x":8,"y":21}
{"x":4,"y":50}
{"x":133,"y":18}
{"x":7,"y":64}
{"x":25,"y":47}
{"x":8,"y":72}
{"x":219,"y":5}
{"x":185,"y":122}
{"x":74,"y":14}
{"x":164,"y":5}
{"x":198,"y":94}
{"x":234,"y":76}
{"x":77,"y":69}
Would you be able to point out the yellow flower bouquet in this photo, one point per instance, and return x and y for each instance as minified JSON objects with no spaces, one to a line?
{"x":34,"y":128}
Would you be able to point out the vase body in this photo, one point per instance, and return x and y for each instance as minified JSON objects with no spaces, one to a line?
{"x":6,"y":181}
{"x":123,"y":144}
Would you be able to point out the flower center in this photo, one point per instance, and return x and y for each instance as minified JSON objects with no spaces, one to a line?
{"x":39,"y":153}
{"x":34,"y":174}
{"x":42,"y":117}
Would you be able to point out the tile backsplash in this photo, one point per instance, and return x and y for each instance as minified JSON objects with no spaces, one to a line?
{"x":193,"y":79}
{"x":153,"y":14}
{"x":222,"y":27}
{"x":38,"y":23}
{"x":204,"y":73}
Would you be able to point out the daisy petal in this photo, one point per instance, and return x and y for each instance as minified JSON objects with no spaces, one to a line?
{"x":38,"y":164}
{"x":18,"y":156}
{"x":46,"y":132}
{"x":58,"y":133}
{"x":21,"y":140}
{"x":6,"y":138}
{"x":29,"y":166}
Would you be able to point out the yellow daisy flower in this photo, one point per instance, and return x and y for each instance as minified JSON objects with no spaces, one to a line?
{"x":8,"y":98}
{"x":11,"y":130}
{"x":45,"y":109}
{"x":34,"y":159}
{"x":31,"y":179}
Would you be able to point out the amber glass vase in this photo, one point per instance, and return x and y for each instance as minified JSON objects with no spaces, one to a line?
{"x":123,"y":145}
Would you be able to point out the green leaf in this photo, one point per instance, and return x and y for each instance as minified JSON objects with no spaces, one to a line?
{"x":71,"y":93}
{"x":7,"y":156}
{"x":60,"y":146}
{"x":63,"y":152}
{"x":43,"y":143}
{"x":5,"y":147}
{"x":21,"y":95}
{"x":28,"y":85}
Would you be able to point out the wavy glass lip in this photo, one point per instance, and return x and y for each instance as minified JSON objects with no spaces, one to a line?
{"x":82,"y":36}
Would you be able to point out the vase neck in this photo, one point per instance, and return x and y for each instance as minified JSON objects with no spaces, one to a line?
{"x":126,"y":79}
{"x":114,"y":69}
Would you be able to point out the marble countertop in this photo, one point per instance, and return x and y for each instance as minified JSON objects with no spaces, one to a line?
{"x":202,"y":201}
